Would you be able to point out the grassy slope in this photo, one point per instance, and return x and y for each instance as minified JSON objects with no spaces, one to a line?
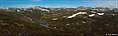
{"x":17,"y":26}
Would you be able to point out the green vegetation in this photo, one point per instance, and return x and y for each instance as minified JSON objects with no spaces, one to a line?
{"x":30,"y":24}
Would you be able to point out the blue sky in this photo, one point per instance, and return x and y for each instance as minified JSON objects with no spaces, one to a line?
{"x":58,"y":3}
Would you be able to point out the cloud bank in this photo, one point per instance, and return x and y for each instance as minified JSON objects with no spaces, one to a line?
{"x":109,"y":3}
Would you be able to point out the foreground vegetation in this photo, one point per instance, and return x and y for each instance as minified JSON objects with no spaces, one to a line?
{"x":55,"y":24}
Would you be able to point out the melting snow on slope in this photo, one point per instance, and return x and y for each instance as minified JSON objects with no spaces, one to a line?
{"x":100,"y":13}
{"x":91,"y":15}
{"x":77,"y":14}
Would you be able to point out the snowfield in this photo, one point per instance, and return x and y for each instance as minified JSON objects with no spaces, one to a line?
{"x":74,"y":15}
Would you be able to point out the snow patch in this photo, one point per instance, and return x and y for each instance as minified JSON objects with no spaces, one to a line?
{"x":100,"y":13}
{"x":77,"y":14}
{"x":91,"y":15}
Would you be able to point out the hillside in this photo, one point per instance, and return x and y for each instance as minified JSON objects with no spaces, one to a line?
{"x":55,"y":24}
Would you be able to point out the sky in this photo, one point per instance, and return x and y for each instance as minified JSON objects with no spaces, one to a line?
{"x":58,"y":3}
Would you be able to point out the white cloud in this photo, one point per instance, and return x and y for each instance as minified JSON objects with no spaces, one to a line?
{"x":111,"y":4}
